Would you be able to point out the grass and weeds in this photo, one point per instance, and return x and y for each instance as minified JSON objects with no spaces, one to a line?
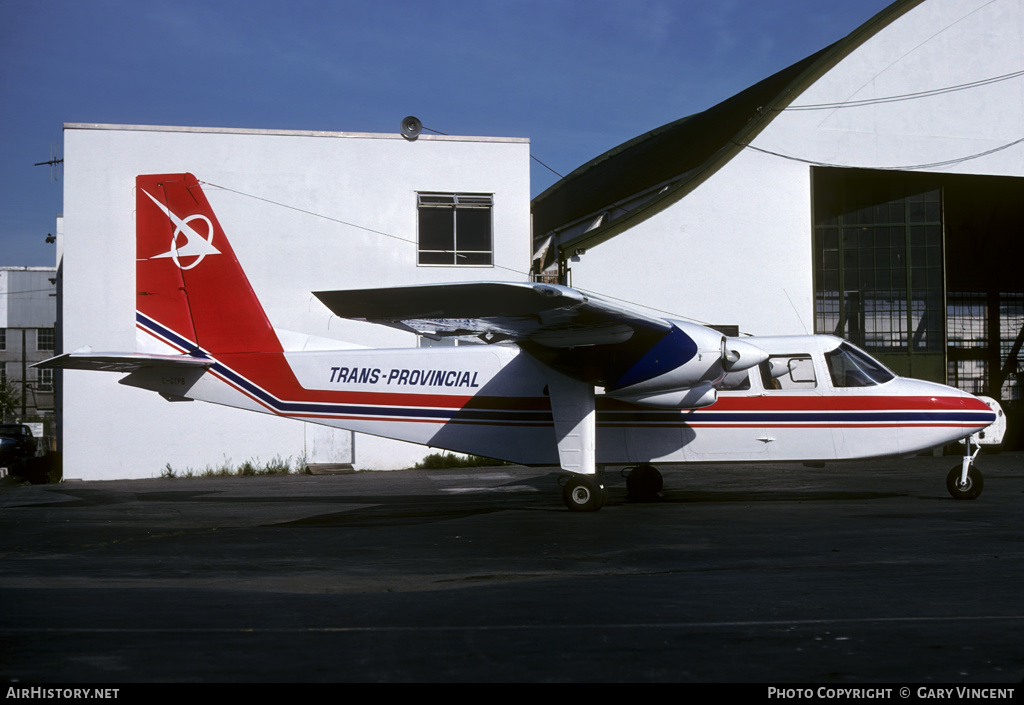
{"x":280,"y":466}
{"x":250,"y":468}
{"x":440,"y":461}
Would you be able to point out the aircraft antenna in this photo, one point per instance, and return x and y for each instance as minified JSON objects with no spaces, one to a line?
{"x":796,"y":311}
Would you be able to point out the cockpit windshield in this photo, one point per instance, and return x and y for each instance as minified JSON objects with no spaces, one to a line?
{"x":849,"y":367}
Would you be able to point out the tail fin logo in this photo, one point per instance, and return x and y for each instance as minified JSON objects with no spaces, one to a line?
{"x":195,"y":245}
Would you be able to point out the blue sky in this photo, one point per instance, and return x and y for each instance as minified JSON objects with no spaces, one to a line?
{"x":576,"y":77}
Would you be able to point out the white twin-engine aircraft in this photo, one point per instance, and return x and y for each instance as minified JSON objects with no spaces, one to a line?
{"x":672,"y":391}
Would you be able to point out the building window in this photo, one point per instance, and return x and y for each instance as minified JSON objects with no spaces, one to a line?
{"x":44,"y":381}
{"x":878,"y":263}
{"x":455,"y":229}
{"x":972,"y":364}
{"x":3,"y":338}
{"x":45,"y":339}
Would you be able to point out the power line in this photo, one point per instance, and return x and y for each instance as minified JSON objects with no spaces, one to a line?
{"x":413,"y":242}
{"x":445,"y":134}
{"x":903,"y":97}
{"x":909,"y":167}
{"x":337,"y":220}
{"x":546,"y":167}
{"x":640,"y":305}
{"x":27,"y":291}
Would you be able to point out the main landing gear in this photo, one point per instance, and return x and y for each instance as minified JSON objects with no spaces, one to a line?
{"x":588,"y":493}
{"x":964,"y":481}
{"x":643,"y":483}
{"x":584,"y":493}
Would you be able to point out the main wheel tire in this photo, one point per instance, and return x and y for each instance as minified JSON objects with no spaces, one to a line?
{"x":582,"y":494}
{"x":970,"y":489}
{"x":643,"y":483}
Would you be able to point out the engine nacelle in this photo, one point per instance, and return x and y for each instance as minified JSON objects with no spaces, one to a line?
{"x":738,"y":355}
{"x":681,"y":370}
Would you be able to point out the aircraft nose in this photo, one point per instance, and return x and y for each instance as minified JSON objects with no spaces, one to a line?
{"x":974,"y":414}
{"x":977,"y":413}
{"x":948,"y":413}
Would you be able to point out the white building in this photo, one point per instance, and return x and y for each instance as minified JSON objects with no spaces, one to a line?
{"x":304,"y":211}
{"x":28,"y":309}
{"x":873,"y":190}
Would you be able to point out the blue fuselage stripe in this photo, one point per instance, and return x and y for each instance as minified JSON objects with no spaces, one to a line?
{"x":534,"y":416}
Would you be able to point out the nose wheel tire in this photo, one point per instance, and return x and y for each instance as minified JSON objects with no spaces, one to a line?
{"x":967,"y":490}
{"x":584,"y":494}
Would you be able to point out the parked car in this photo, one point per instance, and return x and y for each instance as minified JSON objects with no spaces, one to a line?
{"x":17,"y":444}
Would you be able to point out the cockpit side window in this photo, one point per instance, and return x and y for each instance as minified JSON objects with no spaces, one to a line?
{"x":849,"y":367}
{"x":786,"y":372}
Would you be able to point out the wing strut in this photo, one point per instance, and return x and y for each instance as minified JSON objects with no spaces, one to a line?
{"x":575,"y":416}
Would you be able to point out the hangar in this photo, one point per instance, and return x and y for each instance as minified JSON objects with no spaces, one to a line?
{"x":873,"y":190}
{"x":304,"y":211}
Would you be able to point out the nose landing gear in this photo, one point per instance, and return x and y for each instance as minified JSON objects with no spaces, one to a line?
{"x":964,"y":480}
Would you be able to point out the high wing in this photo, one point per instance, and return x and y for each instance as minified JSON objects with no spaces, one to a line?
{"x":546,"y":314}
{"x":636,"y":356}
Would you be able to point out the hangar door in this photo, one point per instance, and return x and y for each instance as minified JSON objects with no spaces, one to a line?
{"x":925,"y":272}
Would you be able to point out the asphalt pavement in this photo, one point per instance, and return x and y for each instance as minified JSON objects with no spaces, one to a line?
{"x":866,"y":572}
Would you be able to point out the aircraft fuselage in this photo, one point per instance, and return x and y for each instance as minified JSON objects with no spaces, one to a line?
{"x":494,"y":400}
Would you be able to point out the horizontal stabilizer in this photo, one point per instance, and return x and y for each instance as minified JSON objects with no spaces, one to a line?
{"x":121,"y":362}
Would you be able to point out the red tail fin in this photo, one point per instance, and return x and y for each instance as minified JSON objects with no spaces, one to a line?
{"x":187,"y":276}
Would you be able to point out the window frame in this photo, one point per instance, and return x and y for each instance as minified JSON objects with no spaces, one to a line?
{"x":879,"y":275}
{"x":849,"y":367}
{"x":44,"y":381}
{"x":41,"y":334}
{"x":804,"y":361}
{"x":432,"y":202}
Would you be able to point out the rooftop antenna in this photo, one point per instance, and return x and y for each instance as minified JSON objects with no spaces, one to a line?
{"x":55,"y":162}
{"x":411,"y":128}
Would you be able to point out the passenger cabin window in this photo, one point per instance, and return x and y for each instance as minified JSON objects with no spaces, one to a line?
{"x":850,"y":367}
{"x":788,"y":372}
{"x":455,"y":229}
